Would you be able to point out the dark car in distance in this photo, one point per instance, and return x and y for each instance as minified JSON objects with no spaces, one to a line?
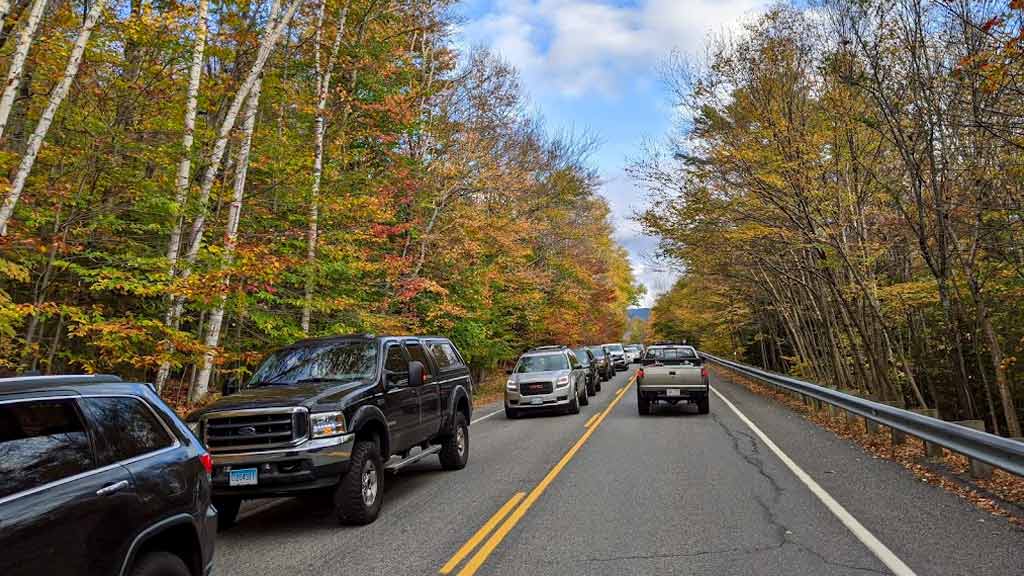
{"x":99,"y":477}
{"x":330,"y":415}
{"x":589,"y":363}
{"x":603,"y":362}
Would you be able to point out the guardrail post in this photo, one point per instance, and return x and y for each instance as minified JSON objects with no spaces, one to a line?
{"x":932,"y":451}
{"x":897,"y":436}
{"x":979,"y":470}
{"x":847,"y":415}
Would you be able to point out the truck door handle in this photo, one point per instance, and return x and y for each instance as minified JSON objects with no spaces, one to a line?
{"x":112,"y":488}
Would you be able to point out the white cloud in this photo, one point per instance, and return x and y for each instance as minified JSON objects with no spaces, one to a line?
{"x":580,"y":46}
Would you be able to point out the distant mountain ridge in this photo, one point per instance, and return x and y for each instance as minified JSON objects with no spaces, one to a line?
{"x":638,"y":313}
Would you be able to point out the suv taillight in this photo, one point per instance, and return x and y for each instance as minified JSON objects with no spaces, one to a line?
{"x":640,"y":373}
{"x":207,"y":461}
{"x":703,"y":372}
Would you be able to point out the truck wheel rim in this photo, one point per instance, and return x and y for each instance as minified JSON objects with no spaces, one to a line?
{"x":369,"y":484}
{"x":460,"y":440}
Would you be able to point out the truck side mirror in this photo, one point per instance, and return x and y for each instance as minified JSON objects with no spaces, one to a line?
{"x":415,"y":373}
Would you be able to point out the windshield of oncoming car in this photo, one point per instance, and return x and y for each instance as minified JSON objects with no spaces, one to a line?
{"x":617,"y":348}
{"x":581,"y":355}
{"x":542,"y":363}
{"x":327,"y":361}
{"x":598,"y":352}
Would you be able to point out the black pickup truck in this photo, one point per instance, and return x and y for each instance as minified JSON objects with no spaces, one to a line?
{"x":330,"y":415}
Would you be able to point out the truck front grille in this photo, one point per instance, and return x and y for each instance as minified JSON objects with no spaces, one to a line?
{"x":255,"y":429}
{"x":535,"y":388}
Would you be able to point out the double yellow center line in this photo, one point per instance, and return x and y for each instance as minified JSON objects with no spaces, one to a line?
{"x":520,"y":505}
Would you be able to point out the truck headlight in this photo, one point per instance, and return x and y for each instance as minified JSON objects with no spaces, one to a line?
{"x":562,"y":382}
{"x":511,"y":384}
{"x":326,"y":424}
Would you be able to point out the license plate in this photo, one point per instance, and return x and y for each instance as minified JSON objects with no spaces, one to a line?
{"x":672,"y":392}
{"x":536,"y":401}
{"x":243,"y":477}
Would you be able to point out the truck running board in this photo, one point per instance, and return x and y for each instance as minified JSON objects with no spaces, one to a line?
{"x":398,"y":465}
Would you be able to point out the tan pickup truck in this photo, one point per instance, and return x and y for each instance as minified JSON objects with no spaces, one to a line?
{"x":673,"y":374}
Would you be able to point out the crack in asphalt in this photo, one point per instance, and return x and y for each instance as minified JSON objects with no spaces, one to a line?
{"x":752,"y":456}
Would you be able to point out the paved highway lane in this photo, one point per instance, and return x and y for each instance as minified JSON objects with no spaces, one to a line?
{"x":674,"y":493}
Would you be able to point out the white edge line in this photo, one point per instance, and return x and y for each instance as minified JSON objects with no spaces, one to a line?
{"x":881,"y":551}
{"x":487,"y":416}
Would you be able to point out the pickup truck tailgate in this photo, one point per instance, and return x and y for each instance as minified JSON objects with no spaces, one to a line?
{"x":672,"y":376}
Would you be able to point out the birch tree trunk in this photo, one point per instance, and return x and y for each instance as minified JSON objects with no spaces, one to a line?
{"x":181,"y":182}
{"x":25,"y":40}
{"x":35,"y":141}
{"x":202,"y":381}
{"x":323,"y":86}
{"x":273,"y":34}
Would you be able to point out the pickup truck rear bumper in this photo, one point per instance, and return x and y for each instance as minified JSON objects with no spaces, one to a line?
{"x":673,"y":392}
{"x":311,"y":465}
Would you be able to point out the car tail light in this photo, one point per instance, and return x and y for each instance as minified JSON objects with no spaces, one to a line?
{"x":207,"y":461}
{"x":640,"y":373}
{"x":703,"y":372}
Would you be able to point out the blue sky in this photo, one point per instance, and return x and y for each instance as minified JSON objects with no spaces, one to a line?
{"x":592,"y":66}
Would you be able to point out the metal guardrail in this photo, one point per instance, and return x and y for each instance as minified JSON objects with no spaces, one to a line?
{"x":1003,"y":453}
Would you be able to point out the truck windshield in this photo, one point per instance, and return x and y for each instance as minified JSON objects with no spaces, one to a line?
{"x":542,"y":363}
{"x":329,"y":361}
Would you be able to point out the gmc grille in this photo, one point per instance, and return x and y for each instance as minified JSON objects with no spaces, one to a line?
{"x":535,"y":388}
{"x":257,"y":429}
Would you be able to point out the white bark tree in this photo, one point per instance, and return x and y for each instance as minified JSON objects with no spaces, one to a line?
{"x":35,"y":141}
{"x":323,"y":86}
{"x":14,"y":73}
{"x":216,"y":317}
{"x":274,"y":30}
{"x":181,"y":182}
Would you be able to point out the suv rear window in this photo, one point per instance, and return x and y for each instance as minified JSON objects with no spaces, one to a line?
{"x":42,"y":441}
{"x":127,"y":428}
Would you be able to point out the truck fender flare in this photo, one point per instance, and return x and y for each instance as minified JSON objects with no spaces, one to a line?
{"x":458,"y":393}
{"x":367,"y":414}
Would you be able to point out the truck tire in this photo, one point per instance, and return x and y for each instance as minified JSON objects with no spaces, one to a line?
{"x":160,"y":564}
{"x":643,"y":405}
{"x":227,"y":511}
{"x":704,"y":405}
{"x":455,"y":447}
{"x":511,"y":413}
{"x":358,"y":496}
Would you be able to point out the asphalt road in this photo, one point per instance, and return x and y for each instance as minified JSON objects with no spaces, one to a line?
{"x":673,"y":493}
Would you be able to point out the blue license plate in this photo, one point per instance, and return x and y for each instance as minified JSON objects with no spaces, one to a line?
{"x":242,"y":477}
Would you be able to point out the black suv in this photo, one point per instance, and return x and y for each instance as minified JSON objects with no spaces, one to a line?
{"x":326,"y":415}
{"x":100,"y":477}
{"x":590,"y":363}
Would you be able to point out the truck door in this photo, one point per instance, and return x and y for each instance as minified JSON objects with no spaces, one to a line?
{"x":402,"y":402}
{"x":430,"y":392}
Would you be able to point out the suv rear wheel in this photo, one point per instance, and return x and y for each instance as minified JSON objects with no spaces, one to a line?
{"x":455,"y":448}
{"x":160,"y":564}
{"x":358,"y":496}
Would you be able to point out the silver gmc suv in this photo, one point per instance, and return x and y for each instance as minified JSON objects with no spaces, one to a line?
{"x":546,"y":377}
